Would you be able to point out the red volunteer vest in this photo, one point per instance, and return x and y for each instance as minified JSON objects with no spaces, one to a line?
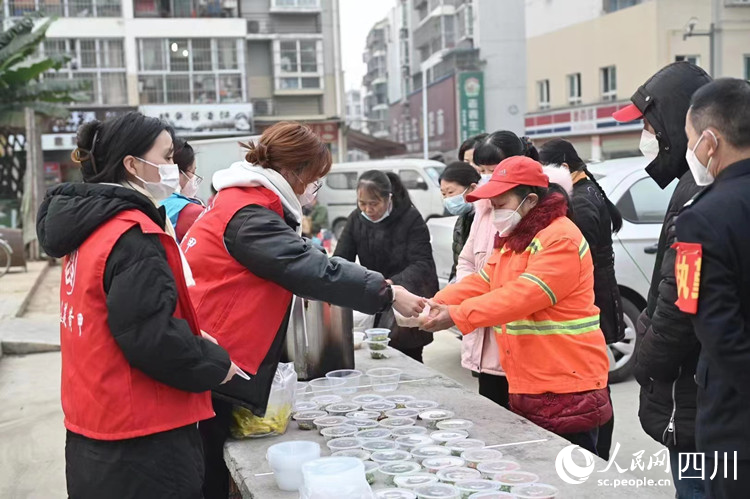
{"x":103,"y":397}
{"x":241,"y":310}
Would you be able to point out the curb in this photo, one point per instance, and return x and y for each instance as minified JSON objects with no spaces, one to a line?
{"x":27,"y":299}
{"x":27,"y":347}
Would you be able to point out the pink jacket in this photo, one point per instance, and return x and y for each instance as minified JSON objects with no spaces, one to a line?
{"x":479,"y":349}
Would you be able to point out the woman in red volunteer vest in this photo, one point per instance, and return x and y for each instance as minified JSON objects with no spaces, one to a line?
{"x":136,"y":371}
{"x":248,"y":259}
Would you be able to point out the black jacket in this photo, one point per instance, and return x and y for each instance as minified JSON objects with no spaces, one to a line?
{"x":139,"y":284}
{"x":399,"y":248}
{"x":666,"y":347}
{"x":460,"y":235}
{"x":718,"y":219}
{"x":593,"y":219}
{"x":269,"y":247}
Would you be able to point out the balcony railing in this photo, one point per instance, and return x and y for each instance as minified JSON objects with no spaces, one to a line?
{"x":295,"y":6}
{"x":63,"y":8}
{"x":266,"y":25}
{"x":185,"y":8}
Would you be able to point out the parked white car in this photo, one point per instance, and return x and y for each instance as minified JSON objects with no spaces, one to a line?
{"x":643,"y":206}
{"x":419,"y":176}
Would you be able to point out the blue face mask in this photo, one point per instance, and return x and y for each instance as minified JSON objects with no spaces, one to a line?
{"x":457,"y":205}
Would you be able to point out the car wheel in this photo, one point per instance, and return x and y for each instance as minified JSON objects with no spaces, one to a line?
{"x":621,"y":358}
{"x":338,"y":227}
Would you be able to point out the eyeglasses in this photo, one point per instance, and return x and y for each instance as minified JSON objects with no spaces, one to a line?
{"x":198,"y":178}
{"x":318,"y":184}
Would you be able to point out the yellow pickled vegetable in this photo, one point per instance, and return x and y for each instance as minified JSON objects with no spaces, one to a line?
{"x":246,"y":424}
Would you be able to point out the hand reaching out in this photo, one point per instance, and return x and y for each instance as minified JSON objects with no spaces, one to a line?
{"x":406,"y":303}
{"x":439,"y":318}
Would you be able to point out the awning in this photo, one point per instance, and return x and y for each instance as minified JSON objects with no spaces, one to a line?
{"x":375,"y":147}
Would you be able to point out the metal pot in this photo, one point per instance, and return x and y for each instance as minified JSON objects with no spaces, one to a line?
{"x":319,"y":338}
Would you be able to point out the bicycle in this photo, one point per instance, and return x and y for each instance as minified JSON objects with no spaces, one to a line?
{"x":6,"y":253}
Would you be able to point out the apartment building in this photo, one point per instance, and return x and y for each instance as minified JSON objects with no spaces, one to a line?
{"x":210,"y":67}
{"x":375,"y":80}
{"x":470,"y":57}
{"x":587,"y":57}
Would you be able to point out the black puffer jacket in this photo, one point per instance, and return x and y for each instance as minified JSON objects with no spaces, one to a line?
{"x":399,"y":248}
{"x":140,"y":287}
{"x":592,"y":217}
{"x":667,"y":348}
{"x":460,"y":235}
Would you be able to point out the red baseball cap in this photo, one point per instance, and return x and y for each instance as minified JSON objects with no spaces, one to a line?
{"x":510,"y":173}
{"x":627,"y":114}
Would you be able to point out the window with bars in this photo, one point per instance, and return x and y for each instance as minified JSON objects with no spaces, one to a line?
{"x":100,"y":63}
{"x":198,"y":70}
{"x":574,"y":88}
{"x":747,"y":67}
{"x":692,"y":59}
{"x":609,"y":83}
{"x":64,"y":8}
{"x":299,"y":64}
{"x":543,"y":93}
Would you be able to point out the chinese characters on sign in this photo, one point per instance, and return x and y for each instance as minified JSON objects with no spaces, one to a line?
{"x":328,"y":132}
{"x":471,"y":102}
{"x":206,"y":119}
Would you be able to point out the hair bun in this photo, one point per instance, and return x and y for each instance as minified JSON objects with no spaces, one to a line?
{"x":257,"y":154}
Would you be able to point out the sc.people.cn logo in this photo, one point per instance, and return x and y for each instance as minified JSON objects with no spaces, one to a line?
{"x":568,"y":470}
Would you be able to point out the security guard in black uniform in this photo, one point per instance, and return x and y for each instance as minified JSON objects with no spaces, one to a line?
{"x":713,"y":279}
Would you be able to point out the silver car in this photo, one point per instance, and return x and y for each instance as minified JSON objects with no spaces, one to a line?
{"x":643,"y":206}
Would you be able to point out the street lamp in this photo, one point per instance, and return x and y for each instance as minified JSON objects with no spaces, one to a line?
{"x":690,"y":31}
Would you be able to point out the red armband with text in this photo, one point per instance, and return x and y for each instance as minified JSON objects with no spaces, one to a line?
{"x":687,"y":271}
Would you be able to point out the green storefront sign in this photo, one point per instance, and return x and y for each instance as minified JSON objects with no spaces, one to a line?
{"x":471,"y":104}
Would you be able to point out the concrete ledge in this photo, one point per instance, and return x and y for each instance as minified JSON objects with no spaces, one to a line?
{"x":26,"y":336}
{"x":27,"y":347}
{"x":34,"y":286}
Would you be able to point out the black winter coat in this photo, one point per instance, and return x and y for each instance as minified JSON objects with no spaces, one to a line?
{"x":139,"y":284}
{"x":666,"y":347}
{"x":399,"y":248}
{"x":460,"y":235}
{"x":718,"y":219}
{"x":593,"y":219}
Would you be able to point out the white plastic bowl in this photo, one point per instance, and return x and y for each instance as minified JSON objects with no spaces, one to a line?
{"x":286,"y":460}
{"x":351,"y":376}
{"x":384,"y":379}
{"x":328,"y":386}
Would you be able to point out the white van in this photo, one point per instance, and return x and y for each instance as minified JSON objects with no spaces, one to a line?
{"x":212,"y":155}
{"x":420,"y":177}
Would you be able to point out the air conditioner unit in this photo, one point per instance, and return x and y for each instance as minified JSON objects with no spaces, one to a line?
{"x":262,"y":107}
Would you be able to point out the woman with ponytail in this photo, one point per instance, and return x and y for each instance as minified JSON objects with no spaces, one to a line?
{"x":597,"y":218}
{"x":536,"y":295}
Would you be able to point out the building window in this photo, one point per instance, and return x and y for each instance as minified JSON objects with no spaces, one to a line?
{"x":198,"y":71}
{"x":574,"y":89}
{"x":609,"y":83}
{"x":747,"y":67}
{"x":64,"y":8}
{"x":100,"y":63}
{"x":615,"y":5}
{"x":692,"y":59}
{"x":543,"y":93}
{"x":299,"y":64}
{"x":185,"y":8}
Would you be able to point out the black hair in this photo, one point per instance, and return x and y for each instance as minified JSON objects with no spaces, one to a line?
{"x":469,"y":144}
{"x":184,"y":155}
{"x":461,"y":173}
{"x":503,"y":144}
{"x":542,"y":192}
{"x":103,"y":145}
{"x":723,"y":104}
{"x":382,"y":184}
{"x":559,"y":151}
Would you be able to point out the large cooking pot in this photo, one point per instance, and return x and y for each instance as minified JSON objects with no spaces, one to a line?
{"x":319,"y":338}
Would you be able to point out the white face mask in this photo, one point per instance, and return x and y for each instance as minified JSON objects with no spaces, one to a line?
{"x":700,"y":172}
{"x":649,"y":145}
{"x":385,"y":215}
{"x":506,"y":220}
{"x":169,"y":183}
{"x":311,"y":192}
{"x":485,"y":178}
{"x":191,"y":187}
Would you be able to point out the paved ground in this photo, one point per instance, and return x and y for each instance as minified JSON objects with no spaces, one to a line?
{"x":32,"y":436}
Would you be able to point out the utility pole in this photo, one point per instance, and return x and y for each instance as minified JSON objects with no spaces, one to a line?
{"x":425,"y":127}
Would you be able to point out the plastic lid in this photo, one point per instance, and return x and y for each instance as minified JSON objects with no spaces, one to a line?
{"x":374,"y":434}
{"x":362,"y":424}
{"x":342,"y":407}
{"x":339,"y":431}
{"x":535,"y":491}
{"x":344,"y":443}
{"x":330,"y":421}
{"x":400,"y":468}
{"x":455,"y":424}
{"x":478,"y":485}
{"x":371,"y":466}
{"x":360,"y":454}
{"x":415,"y":480}
{"x":389,"y":456}
{"x":363,"y":414}
{"x":367,"y":398}
{"x":448,"y":435}
{"x":400,"y":399}
{"x":466,"y":444}
{"x":482,"y":455}
{"x":441,"y":462}
{"x":495,"y":494}
{"x":403,"y":413}
{"x":380,"y":405}
{"x":397,"y":422}
{"x":378,"y":445}
{"x":516,"y":478}
{"x":437,"y":491}
{"x":456,"y":474}
{"x":411,"y":441}
{"x":323,"y":400}
{"x":428,"y":451}
{"x":309,"y":415}
{"x":395,"y":494}
{"x":422,"y":405}
{"x":501,"y":466}
{"x":324,"y":470}
{"x":409,"y":430}
{"x":435,"y":414}
{"x":305,"y":406}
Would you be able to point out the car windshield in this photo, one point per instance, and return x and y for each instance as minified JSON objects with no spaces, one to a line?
{"x":434,"y":173}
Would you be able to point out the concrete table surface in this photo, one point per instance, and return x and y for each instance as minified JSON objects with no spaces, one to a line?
{"x":246,"y":459}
